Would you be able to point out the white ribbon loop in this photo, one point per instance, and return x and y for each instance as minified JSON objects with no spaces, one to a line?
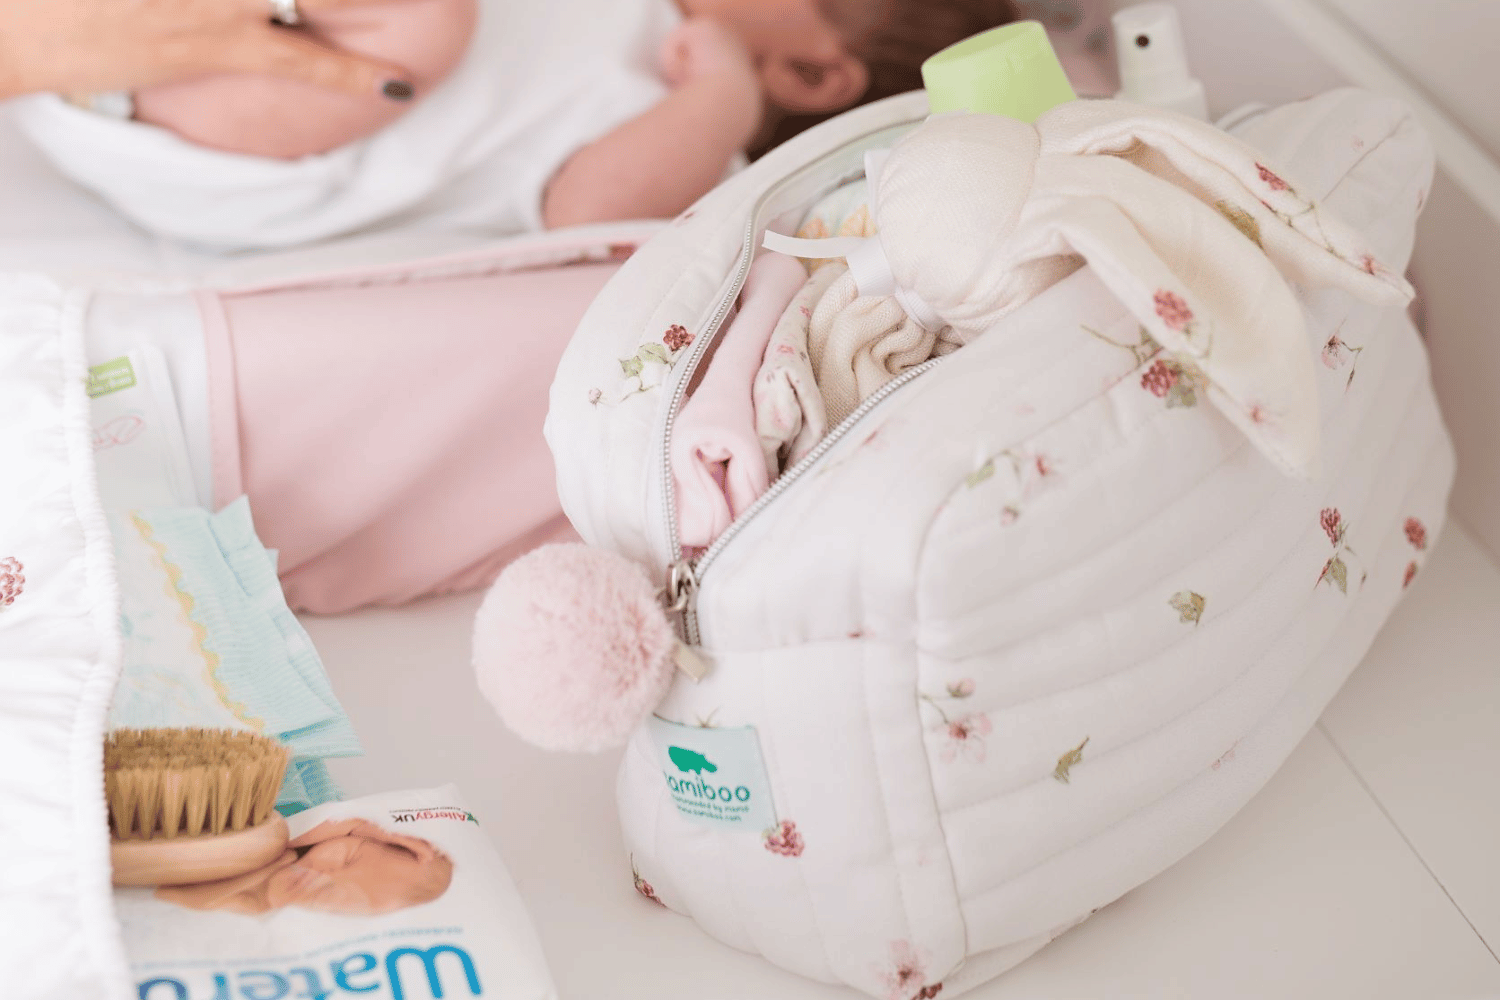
{"x":868,"y":266}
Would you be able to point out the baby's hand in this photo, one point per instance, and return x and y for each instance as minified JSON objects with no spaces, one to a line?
{"x":701,"y":47}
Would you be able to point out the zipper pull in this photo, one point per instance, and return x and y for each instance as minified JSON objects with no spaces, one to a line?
{"x":682,"y":584}
{"x":682,"y":580}
{"x":689,"y":662}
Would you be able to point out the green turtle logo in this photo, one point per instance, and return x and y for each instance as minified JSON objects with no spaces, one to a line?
{"x":691,"y":761}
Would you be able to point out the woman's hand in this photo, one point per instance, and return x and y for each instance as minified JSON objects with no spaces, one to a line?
{"x":91,"y":46}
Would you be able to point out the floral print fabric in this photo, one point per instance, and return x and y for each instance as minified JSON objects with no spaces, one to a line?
{"x":12,"y":581}
{"x":790,"y":417}
{"x":1180,"y":221}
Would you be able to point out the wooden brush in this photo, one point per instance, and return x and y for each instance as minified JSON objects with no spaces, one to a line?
{"x":192,"y":805}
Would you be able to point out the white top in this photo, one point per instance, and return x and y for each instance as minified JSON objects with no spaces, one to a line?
{"x":539,"y":82}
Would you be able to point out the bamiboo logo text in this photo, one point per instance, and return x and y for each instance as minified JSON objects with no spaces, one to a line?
{"x":691,"y":762}
{"x":359,"y":974}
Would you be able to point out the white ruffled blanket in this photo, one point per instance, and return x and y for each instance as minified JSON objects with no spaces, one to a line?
{"x":59,"y":655}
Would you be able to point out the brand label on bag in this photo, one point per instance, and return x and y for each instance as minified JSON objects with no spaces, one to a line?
{"x":715,"y":776}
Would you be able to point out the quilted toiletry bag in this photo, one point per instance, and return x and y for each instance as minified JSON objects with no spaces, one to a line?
{"x":1042,"y":612}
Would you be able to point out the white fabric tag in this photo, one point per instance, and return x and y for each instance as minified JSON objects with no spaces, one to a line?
{"x":139,"y":448}
{"x":716,"y":777}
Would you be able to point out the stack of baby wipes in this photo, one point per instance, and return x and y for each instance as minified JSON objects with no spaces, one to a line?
{"x":389,"y":897}
{"x":209,"y":641}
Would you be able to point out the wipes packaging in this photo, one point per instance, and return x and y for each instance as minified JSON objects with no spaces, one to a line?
{"x":399,"y":896}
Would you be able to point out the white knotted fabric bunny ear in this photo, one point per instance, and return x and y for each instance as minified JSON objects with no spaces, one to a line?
{"x":1200,"y":289}
{"x":1206,"y":277}
{"x":864,"y":330}
{"x":1307,"y":244}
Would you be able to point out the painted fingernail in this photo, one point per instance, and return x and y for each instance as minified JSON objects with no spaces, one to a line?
{"x":398,"y":90}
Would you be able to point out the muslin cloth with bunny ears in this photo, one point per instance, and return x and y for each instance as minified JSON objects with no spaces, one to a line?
{"x":1199,"y":238}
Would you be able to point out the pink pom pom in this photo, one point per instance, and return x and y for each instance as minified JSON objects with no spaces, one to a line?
{"x":572,"y":648}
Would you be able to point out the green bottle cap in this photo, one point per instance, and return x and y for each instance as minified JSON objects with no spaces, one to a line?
{"x":1011,"y":70}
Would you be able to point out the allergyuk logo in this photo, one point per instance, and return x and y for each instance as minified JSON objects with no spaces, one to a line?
{"x":437,"y":812}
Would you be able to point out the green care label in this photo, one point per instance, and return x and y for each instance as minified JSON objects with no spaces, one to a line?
{"x":112,"y":376}
{"x":715,"y":776}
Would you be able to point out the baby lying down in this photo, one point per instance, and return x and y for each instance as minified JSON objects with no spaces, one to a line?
{"x":515,"y":116}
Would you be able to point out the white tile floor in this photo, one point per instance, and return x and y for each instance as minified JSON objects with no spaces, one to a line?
{"x":1367,"y":869}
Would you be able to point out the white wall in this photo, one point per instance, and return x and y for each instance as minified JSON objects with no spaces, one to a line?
{"x":1448,"y":48}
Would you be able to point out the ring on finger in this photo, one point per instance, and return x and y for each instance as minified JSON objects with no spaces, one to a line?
{"x":285,"y":12}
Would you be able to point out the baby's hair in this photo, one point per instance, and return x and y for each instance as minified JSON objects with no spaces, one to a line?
{"x":894,"y":38}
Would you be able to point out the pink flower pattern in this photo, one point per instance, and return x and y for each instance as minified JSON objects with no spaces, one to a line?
{"x":12,"y":581}
{"x":1336,"y":569}
{"x":965,"y":735}
{"x":1332,"y":523}
{"x":1416,"y":537}
{"x":961,"y":735}
{"x":1333,"y":353}
{"x":1337,"y":353}
{"x":1034,"y":472}
{"x":1173,"y":309}
{"x":905,"y":974}
{"x":1174,"y":380}
{"x":1159,"y":379}
{"x":677,"y":337}
{"x":643,"y":887}
{"x":1270,"y":179}
{"x":784,"y":839}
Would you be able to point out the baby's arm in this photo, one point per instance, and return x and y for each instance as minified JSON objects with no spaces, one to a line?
{"x":659,"y":163}
{"x":262,"y":115}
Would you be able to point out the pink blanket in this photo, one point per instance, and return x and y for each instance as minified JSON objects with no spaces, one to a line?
{"x":391,"y":450}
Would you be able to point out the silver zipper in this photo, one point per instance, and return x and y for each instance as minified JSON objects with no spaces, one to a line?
{"x":674,"y":403}
{"x":683,"y":575}
{"x":691,"y":574}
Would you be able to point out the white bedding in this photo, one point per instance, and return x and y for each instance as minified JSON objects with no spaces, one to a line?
{"x":60,"y":650}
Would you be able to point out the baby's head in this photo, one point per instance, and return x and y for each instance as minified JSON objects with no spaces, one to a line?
{"x":367,"y":871}
{"x":351,"y":867}
{"x":820,"y":57}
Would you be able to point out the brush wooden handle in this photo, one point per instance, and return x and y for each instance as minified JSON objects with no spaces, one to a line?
{"x":186,"y":860}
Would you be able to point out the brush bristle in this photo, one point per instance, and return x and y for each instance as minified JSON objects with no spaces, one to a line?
{"x":187,"y":782}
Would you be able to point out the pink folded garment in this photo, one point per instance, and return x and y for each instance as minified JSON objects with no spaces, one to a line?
{"x":389,"y":436}
{"x":717,"y":462}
